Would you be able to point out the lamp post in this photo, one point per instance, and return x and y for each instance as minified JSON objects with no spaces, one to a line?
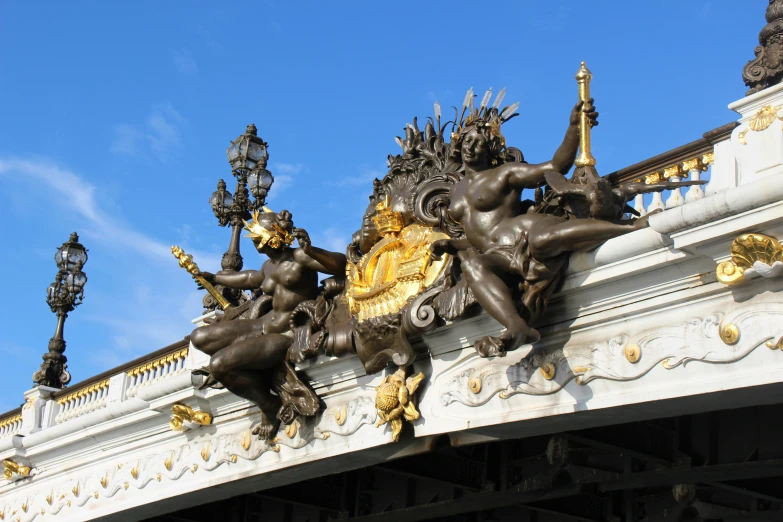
{"x":65,"y":294}
{"x":248,"y":156}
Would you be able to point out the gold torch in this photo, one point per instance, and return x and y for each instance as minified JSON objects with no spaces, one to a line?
{"x":186,"y":262}
{"x":585,"y":158}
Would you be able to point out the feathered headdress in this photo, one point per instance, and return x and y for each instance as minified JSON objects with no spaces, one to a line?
{"x":485,"y":116}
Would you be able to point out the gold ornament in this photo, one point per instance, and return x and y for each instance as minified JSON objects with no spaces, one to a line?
{"x":186,"y":262}
{"x":548,"y":370}
{"x":246,"y":441}
{"x":583,"y":79}
{"x":729,"y":333}
{"x":398,"y":267}
{"x":182,"y":417}
{"x":746,"y":250}
{"x":261,"y":236}
{"x":633,"y":353}
{"x":14,"y":470}
{"x":394,"y":400}
{"x":291,"y":429}
{"x":341,"y":415}
{"x":386,"y":220}
{"x":760,"y":121}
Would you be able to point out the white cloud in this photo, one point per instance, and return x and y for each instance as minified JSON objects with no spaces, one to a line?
{"x":159,"y":135}
{"x":67,"y":188}
{"x":183,"y":61}
{"x":281,"y":183}
{"x":288,"y":168}
{"x":365,"y":178}
{"x":284,"y":178}
{"x":332,"y":239}
{"x":134,"y":316}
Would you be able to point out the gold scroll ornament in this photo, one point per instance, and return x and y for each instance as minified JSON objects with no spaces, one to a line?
{"x":396,"y":269}
{"x":13,"y":469}
{"x":182,"y":416}
{"x":747,"y":250}
{"x":186,"y":262}
{"x":583,"y":79}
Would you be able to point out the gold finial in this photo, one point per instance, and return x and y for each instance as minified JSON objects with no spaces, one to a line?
{"x":186,"y":262}
{"x":583,"y":79}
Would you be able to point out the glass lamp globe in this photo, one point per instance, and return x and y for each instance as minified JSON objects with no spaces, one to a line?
{"x":260,"y":181}
{"x":70,"y":254}
{"x":247,"y":151}
{"x":75,"y":282}
{"x":221,"y":200}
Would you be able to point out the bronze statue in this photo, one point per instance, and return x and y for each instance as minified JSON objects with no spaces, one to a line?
{"x":245,"y":354}
{"x":446,"y":228}
{"x":503,"y":244}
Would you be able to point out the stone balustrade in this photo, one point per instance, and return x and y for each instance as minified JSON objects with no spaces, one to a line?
{"x":83,"y":401}
{"x":687,"y":170}
{"x":10,"y":425}
{"x":156,"y":371}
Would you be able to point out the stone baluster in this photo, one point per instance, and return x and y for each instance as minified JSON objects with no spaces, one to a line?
{"x":657,"y":197}
{"x":694,"y":167}
{"x":674,"y":173}
{"x":638,"y":204}
{"x":707,"y":160}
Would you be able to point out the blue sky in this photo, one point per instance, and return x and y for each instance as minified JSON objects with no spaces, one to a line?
{"x":115,"y":118}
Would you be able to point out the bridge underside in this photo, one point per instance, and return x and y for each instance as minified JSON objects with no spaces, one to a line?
{"x":721,"y":465}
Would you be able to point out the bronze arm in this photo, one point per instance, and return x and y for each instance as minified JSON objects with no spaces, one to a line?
{"x":449,"y":246}
{"x":524,"y":176}
{"x":244,"y":280}
{"x":321,"y":260}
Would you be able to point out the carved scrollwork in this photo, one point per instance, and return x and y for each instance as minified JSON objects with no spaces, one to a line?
{"x":179,"y":464}
{"x":474,"y":382}
{"x":766,"y":69}
{"x":432,"y":202}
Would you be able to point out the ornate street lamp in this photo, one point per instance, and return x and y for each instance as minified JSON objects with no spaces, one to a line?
{"x":248,"y":156}
{"x":65,"y":294}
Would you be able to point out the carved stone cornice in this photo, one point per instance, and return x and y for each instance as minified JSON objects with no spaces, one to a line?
{"x":622,"y":358}
{"x":144,"y":471}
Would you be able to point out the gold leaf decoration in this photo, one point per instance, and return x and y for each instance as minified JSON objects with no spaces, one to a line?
{"x":746,"y":250}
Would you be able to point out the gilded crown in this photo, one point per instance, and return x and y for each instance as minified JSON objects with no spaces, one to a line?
{"x":386,"y":220}
{"x":262,"y":236}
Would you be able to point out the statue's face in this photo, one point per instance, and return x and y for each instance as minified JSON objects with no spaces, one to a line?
{"x":272,"y":230}
{"x":475,"y":149}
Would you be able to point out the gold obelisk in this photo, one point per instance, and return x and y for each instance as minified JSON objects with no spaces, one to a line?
{"x":186,"y":262}
{"x":585,"y":158}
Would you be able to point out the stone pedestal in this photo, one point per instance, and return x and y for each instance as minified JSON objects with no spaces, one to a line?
{"x":757,"y":142}
{"x":35,"y":411}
